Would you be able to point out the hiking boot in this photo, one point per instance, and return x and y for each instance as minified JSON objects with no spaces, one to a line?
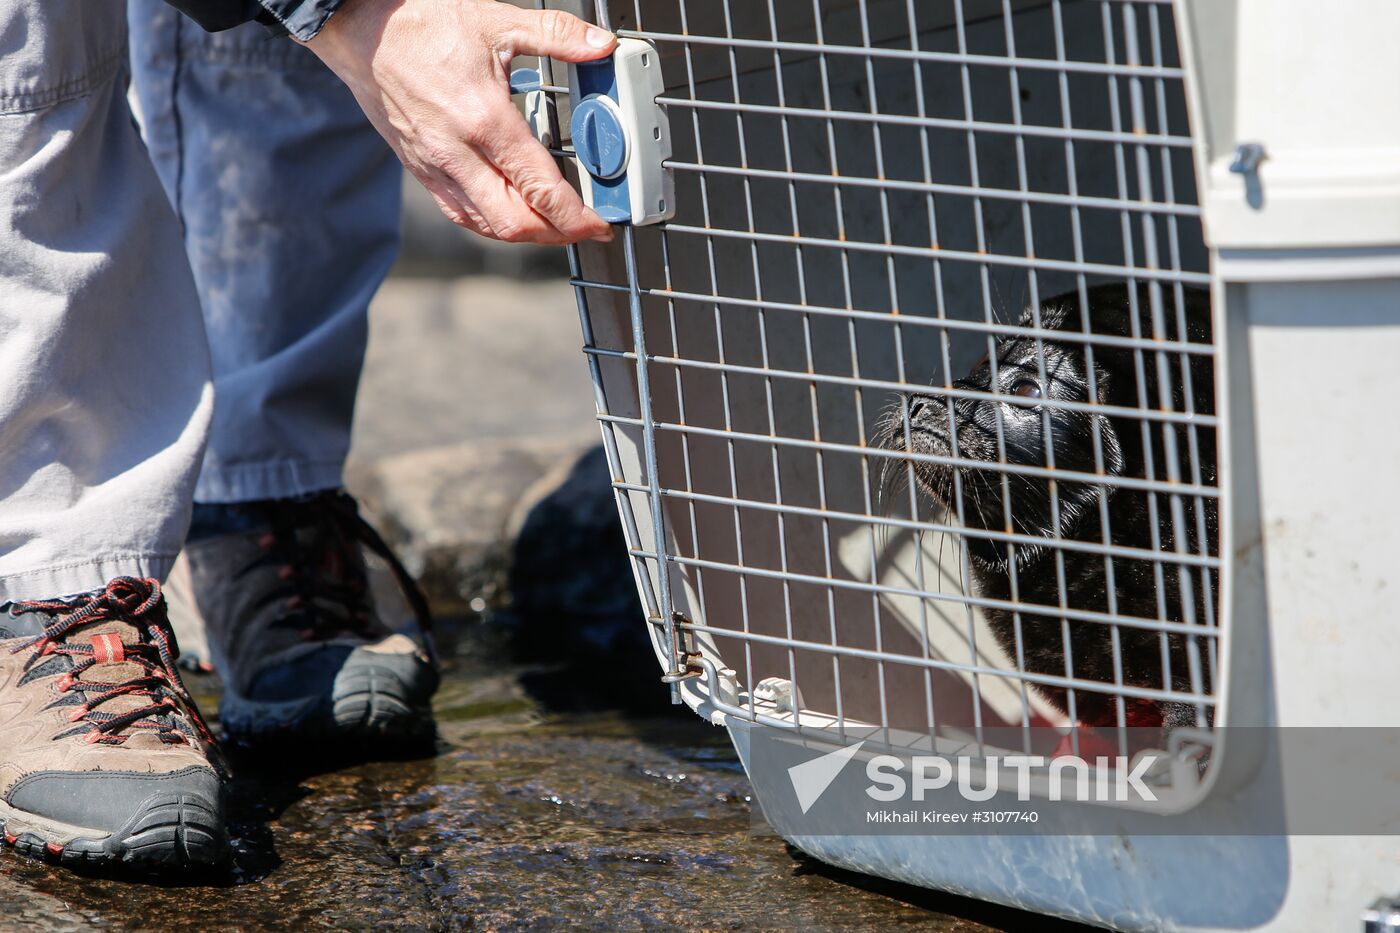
{"x":104,"y":758}
{"x":292,"y":629}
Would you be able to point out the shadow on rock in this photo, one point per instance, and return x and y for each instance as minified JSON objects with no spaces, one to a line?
{"x":256,"y":799}
{"x":269,"y":779}
{"x":573,"y":604}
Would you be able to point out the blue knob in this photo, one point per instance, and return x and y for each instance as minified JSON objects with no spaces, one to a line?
{"x":599,"y":139}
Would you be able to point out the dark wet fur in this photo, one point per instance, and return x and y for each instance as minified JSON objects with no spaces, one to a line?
{"x":1086,"y":575}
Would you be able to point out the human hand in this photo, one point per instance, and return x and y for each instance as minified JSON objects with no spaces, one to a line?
{"x":433,"y":78}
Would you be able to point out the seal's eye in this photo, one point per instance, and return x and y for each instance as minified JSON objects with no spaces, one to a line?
{"x":1026,"y":389}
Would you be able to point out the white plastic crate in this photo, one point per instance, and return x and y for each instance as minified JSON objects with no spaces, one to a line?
{"x":872,"y":195}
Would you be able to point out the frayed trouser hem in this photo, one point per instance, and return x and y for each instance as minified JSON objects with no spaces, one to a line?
{"x":281,"y":479}
{"x":71,"y":579}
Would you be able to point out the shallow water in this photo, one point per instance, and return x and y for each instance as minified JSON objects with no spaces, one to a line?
{"x":527,"y":817}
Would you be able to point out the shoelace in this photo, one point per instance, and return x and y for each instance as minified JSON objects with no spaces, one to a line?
{"x":336,"y":527}
{"x":136,"y":602}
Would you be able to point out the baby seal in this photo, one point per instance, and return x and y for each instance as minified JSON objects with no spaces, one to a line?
{"x":1029,"y":573}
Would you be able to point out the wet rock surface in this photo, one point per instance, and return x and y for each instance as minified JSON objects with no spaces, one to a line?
{"x":526,"y":817}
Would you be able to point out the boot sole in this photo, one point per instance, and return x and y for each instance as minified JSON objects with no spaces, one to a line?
{"x":169,"y":831}
{"x":384,"y":705}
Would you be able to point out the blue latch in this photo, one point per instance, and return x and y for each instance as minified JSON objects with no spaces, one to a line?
{"x":621,"y":136}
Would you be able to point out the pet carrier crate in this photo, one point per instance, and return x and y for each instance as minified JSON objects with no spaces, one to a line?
{"x":879,"y":218}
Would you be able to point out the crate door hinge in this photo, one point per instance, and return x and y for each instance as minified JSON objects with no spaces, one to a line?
{"x":685,"y":655}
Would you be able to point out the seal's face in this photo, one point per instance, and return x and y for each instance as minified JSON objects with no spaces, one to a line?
{"x":1015,"y":411}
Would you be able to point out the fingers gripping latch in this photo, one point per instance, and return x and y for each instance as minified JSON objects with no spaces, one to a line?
{"x":539,"y":105}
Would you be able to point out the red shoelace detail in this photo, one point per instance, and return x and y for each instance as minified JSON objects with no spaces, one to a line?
{"x":135,"y":602}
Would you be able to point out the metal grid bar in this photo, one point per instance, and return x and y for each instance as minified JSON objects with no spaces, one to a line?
{"x":1087,"y":547}
{"x":1021,"y":262}
{"x":916,"y":55}
{"x":720,"y":344}
{"x":895,"y":119}
{"x":655,"y":610}
{"x":971,"y":669}
{"x":1146,"y":415}
{"x":1120,"y":482}
{"x":980,"y":670}
{"x":910,"y":478}
{"x":663,"y":583}
{"x":895,"y":184}
{"x":813,"y":399}
{"x":997,"y":329}
{"x":1081,"y":287}
{"x":1103,"y":618}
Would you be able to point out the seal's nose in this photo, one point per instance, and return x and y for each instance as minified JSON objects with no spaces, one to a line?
{"x":916,"y":405}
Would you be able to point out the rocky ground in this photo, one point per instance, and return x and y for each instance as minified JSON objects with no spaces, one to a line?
{"x":565,"y":791}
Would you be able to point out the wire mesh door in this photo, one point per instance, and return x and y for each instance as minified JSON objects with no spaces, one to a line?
{"x":913,"y":400}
